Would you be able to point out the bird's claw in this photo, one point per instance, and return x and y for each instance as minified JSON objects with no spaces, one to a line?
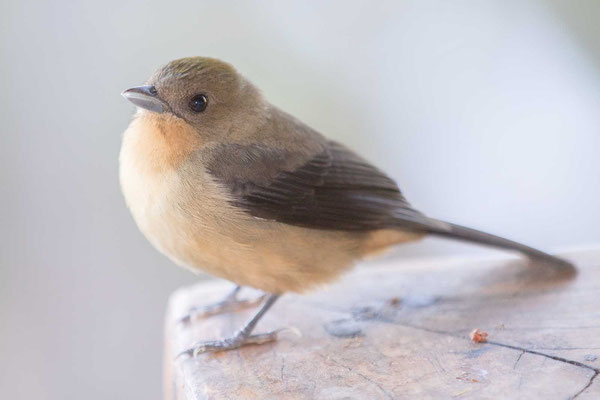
{"x":238,"y":340}
{"x":230,"y":304}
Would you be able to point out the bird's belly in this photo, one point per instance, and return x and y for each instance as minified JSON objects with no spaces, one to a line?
{"x":168,"y":217}
{"x":189,"y":218}
{"x":195,"y":226}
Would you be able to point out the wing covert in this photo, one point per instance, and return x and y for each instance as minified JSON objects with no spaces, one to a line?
{"x":332,"y":189}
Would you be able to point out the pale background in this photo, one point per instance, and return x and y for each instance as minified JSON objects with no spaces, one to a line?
{"x":486,"y":112}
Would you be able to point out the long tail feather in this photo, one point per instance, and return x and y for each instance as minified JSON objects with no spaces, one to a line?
{"x":458,"y":232}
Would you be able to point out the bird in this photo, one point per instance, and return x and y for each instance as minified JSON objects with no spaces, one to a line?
{"x":222,"y":181}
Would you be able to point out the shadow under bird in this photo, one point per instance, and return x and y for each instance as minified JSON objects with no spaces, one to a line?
{"x":222,"y":181}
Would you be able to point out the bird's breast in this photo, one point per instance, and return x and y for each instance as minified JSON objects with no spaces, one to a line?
{"x":171,"y":199}
{"x":189,"y":217}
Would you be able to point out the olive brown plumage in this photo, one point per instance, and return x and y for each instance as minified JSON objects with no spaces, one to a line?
{"x":220,"y":180}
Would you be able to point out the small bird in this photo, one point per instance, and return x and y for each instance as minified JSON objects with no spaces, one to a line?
{"x":220,"y":180}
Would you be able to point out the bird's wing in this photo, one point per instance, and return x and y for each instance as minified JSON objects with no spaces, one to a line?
{"x":331,"y":189}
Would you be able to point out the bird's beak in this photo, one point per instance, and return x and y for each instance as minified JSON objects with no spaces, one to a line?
{"x":145,"y":97}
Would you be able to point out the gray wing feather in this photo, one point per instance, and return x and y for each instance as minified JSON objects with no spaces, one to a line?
{"x":334,"y":189}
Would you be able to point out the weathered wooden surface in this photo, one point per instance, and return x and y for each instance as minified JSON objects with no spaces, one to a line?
{"x":401,"y":330}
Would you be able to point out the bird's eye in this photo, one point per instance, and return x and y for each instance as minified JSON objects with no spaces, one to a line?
{"x":198,"y":103}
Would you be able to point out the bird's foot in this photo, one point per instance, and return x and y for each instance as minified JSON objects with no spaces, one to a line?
{"x":230,"y":304}
{"x":238,"y":340}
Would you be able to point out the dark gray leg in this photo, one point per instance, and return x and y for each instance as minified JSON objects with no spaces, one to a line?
{"x":240,"y":338}
{"x":230,"y":303}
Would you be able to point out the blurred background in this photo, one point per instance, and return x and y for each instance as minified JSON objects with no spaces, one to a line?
{"x":486,"y":112}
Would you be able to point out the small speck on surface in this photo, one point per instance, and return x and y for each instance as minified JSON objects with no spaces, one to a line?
{"x":478,"y":336}
{"x":344,"y":328}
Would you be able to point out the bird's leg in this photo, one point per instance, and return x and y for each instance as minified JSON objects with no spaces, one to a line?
{"x":240,"y":338}
{"x":230,"y":303}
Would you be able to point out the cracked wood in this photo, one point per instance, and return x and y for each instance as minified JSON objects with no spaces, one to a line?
{"x":400,"y":328}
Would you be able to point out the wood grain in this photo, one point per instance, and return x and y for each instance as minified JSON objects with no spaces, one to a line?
{"x":401,"y":329}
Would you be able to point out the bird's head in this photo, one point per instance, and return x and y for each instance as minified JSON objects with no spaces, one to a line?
{"x":206,"y":93}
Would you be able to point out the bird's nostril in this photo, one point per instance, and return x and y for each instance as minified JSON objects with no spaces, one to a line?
{"x":153,"y":90}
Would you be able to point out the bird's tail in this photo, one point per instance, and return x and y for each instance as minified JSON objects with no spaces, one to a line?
{"x":452,"y":231}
